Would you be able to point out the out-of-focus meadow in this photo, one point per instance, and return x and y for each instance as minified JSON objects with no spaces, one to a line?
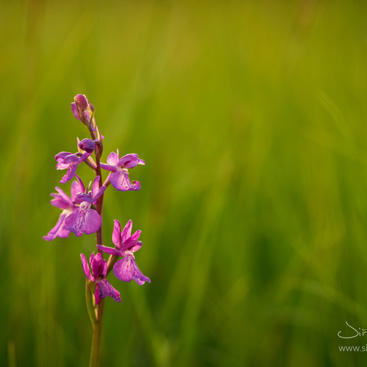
{"x":251,"y":117}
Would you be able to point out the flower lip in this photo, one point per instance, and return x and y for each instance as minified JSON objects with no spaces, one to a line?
{"x":127,"y":270}
{"x":83,"y":220}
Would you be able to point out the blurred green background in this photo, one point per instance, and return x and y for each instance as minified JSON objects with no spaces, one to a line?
{"x":251,"y":117}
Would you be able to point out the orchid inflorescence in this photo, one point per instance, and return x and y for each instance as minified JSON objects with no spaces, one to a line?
{"x":81,"y":212}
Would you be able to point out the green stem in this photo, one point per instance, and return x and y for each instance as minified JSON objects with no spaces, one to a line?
{"x":89,"y":301}
{"x":96,"y":311}
{"x":96,"y":337}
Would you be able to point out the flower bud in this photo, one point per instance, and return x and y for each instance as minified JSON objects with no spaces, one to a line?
{"x":87,"y":145}
{"x":81,"y":102}
{"x":82,"y":109}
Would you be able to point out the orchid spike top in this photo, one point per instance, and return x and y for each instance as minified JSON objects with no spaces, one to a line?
{"x":81,"y":212}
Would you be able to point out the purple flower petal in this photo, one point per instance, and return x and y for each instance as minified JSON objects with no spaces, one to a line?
{"x":86,"y":268}
{"x":81,"y":101}
{"x":71,"y":158}
{"x":62,"y":155}
{"x":106,"y":289}
{"x":99,"y":193}
{"x":120,"y":178}
{"x":93,"y":222}
{"x":113,"y":159}
{"x":81,"y":197}
{"x":98,"y":275}
{"x":99,"y":266}
{"x":72,"y":225}
{"x":120,"y":181}
{"x":128,"y":161}
{"x":131,"y":245}
{"x":86,"y":116}
{"x":127,"y":270}
{"x":87,"y":145}
{"x":75,"y":189}
{"x":135,"y":185}
{"x":123,"y":269}
{"x":82,"y":188}
{"x":70,"y":162}
{"x":66,"y":162}
{"x":126,"y":232}
{"x":74,"y":108}
{"x":116,"y":234}
{"x":83,"y":220}
{"x":59,"y":229}
{"x":109,"y":250}
{"x":83,"y":157}
{"x":136,"y":235}
{"x":69,"y":174}
{"x":91,"y":258}
{"x":95,"y":186}
{"x":58,"y":202}
{"x":107,"y":167}
{"x":141,"y":279}
{"x":61,"y":200}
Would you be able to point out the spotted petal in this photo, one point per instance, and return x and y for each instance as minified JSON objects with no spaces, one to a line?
{"x":83,"y":220}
